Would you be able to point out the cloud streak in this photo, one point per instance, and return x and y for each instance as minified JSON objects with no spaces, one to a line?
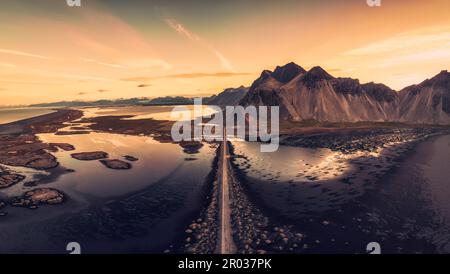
{"x":7,"y":65}
{"x":187,"y":76}
{"x":183,"y":31}
{"x":401,"y":42}
{"x":407,"y":48}
{"x":22,"y":53}
{"x":87,"y":60}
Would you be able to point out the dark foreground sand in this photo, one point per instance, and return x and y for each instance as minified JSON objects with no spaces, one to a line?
{"x":406,"y":210}
{"x":419,"y":192}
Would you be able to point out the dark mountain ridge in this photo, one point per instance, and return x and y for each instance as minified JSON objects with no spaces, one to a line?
{"x":317,"y":95}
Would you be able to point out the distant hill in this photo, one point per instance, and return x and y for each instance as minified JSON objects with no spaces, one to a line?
{"x":103,"y":102}
{"x":178,"y":100}
{"x":228,"y":97}
{"x":168,"y":100}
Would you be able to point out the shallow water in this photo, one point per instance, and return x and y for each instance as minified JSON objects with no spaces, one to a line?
{"x":9,"y":115}
{"x":156,"y":160}
{"x":285,"y":164}
{"x":150,"y":112}
{"x":295,"y":181}
{"x":147,"y":205}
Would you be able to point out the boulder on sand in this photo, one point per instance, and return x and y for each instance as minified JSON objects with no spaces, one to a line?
{"x":116,"y":164}
{"x":130,"y":158}
{"x":191,"y":147}
{"x":90,"y":156}
{"x":35,"y":197}
{"x":7,"y":180}
{"x":63,"y":146}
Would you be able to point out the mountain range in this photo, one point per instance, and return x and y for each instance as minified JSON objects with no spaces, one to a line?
{"x":168,"y":100}
{"x":317,"y":95}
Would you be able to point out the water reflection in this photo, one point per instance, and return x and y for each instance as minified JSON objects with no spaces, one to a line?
{"x":147,"y":112}
{"x":8,"y":115}
{"x":142,"y":209}
{"x":156,"y":160}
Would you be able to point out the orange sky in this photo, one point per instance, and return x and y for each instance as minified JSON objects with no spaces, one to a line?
{"x":120,"y":49}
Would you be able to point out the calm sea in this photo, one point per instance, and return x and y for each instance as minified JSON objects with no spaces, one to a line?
{"x":8,"y":115}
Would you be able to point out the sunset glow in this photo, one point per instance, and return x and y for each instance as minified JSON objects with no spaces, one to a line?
{"x":118,"y":49}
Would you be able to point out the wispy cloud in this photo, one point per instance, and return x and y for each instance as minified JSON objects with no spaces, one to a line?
{"x":420,"y":46}
{"x":22,"y":53}
{"x":417,"y":57}
{"x":102,"y":90}
{"x":183,"y":31}
{"x":7,"y":65}
{"x":81,"y":77}
{"x":223,"y":61}
{"x":145,"y":63}
{"x":186,"y":76}
{"x":87,"y":60}
{"x":401,"y":42}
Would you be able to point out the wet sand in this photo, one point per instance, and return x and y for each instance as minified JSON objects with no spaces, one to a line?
{"x":422,"y":188}
{"x":392,"y":208}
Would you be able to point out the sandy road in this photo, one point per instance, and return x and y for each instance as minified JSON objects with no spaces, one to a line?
{"x":225,"y":243}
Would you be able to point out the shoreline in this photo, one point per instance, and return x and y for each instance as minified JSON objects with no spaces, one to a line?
{"x":320,"y":224}
{"x":25,"y":125}
{"x":319,"y":233}
{"x":424,"y":170}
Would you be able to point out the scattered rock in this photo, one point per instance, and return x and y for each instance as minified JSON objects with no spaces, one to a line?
{"x":7,"y":180}
{"x":63,"y":146}
{"x":116,"y":164}
{"x":191,"y":147}
{"x":130,"y":158}
{"x":79,"y":128}
{"x":90,"y":156}
{"x":31,"y":199}
{"x":72,"y":132}
{"x":43,"y":162}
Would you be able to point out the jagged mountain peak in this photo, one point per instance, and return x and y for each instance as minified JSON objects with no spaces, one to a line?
{"x":265,"y":73}
{"x":380,"y":92}
{"x":228,"y":97}
{"x":443,"y":78}
{"x":286,"y":73}
{"x":443,"y":73}
{"x":315,"y":94}
{"x":440,"y":80}
{"x":319,"y":72}
{"x":316,"y":74}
